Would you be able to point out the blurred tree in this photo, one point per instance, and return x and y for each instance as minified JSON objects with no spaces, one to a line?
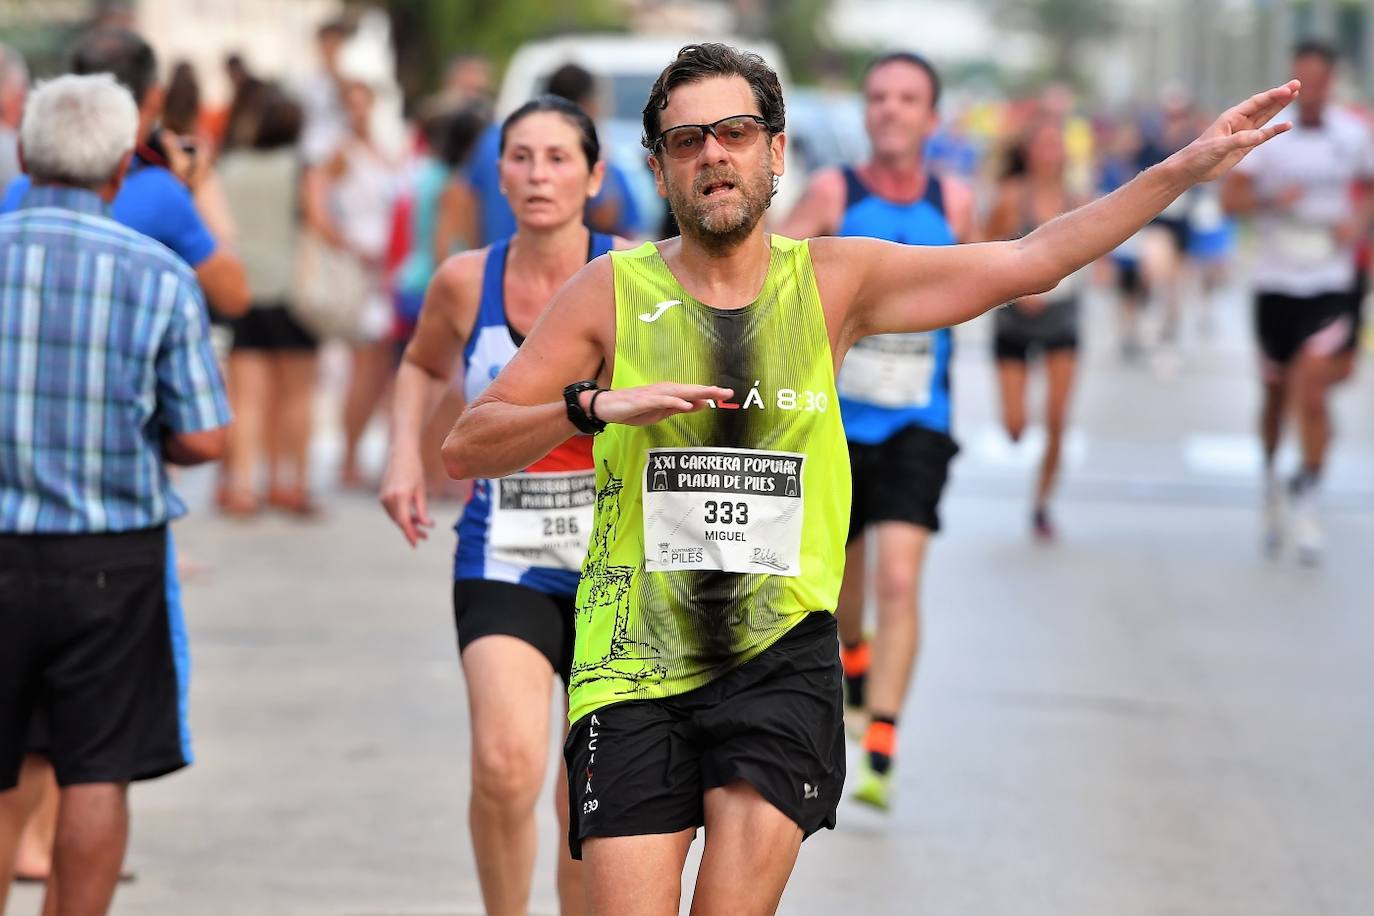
{"x":1065,"y":25}
{"x":796,"y":27}
{"x":428,"y":32}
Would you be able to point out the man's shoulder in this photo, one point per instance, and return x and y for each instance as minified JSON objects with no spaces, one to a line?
{"x":100,"y":230}
{"x":153,"y":185}
{"x":140,"y":246}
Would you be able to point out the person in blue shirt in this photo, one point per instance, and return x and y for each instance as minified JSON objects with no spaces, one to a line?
{"x":894,"y":395}
{"x":156,"y":197}
{"x":612,"y":210}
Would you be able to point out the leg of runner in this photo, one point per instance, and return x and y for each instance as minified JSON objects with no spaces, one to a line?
{"x":625,"y":875}
{"x":1274,"y":406}
{"x":1059,"y":370}
{"x":1011,"y":381}
{"x":901,"y":557}
{"x":92,"y":835}
{"x":751,"y":848}
{"x":572,"y":896}
{"x":854,"y":648}
{"x":508,"y":697}
{"x":1312,"y":376}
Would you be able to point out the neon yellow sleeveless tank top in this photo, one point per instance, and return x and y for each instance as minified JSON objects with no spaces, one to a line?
{"x":717,"y":531}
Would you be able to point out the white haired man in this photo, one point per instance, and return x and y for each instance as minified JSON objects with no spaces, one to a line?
{"x":106,"y":373}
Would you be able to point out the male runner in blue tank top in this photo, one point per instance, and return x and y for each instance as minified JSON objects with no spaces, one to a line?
{"x":894,"y":394}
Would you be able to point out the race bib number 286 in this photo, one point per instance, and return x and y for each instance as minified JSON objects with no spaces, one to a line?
{"x":542,"y":519}
{"x":730,"y":510}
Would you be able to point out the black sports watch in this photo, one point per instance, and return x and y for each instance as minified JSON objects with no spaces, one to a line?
{"x":585,"y":422}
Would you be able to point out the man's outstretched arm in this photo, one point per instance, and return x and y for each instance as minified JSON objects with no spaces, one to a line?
{"x":902,"y":288}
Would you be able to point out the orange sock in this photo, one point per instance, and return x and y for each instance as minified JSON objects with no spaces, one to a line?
{"x":881,"y":738}
{"x":854,"y":660}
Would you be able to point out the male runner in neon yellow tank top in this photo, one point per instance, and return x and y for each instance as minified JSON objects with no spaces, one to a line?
{"x":706,"y":680}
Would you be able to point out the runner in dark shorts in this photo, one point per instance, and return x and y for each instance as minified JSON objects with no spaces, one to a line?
{"x":522,"y":538}
{"x":705,"y":366}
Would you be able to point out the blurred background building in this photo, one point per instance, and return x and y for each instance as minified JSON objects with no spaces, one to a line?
{"x":1113,"y":51}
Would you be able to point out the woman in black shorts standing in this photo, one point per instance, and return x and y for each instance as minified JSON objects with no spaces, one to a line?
{"x":1033,"y":191}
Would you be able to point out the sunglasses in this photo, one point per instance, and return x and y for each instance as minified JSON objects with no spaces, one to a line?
{"x":733,"y":133}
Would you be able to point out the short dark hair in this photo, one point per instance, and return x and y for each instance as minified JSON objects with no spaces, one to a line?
{"x":915,"y":60}
{"x":119,"y":52}
{"x":279,"y":121}
{"x":452,"y":134}
{"x":574,"y":83}
{"x":695,"y":63}
{"x":1316,"y":47}
{"x":181,"y":108}
{"x":591,"y":145}
{"x":338,"y":27}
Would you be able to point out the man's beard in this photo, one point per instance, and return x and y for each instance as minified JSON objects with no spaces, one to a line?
{"x":722,"y":227}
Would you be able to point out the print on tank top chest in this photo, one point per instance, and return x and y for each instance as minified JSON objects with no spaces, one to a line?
{"x":735,"y":510}
{"x":889,"y":370}
{"x":542,"y":518}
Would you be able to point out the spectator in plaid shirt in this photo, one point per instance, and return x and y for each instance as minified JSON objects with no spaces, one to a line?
{"x":105,"y":374}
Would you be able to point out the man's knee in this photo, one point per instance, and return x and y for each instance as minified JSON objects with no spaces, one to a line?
{"x":1311,"y":384}
{"x":898,"y":581}
{"x":504,"y":767}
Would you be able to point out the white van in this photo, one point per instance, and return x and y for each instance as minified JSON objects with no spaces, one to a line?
{"x":625,"y":67}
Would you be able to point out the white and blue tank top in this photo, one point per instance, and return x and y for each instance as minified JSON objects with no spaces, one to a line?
{"x":891,"y":381}
{"x":530,"y":528}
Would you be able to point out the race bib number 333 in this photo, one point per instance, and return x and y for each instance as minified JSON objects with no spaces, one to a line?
{"x":726,"y":509}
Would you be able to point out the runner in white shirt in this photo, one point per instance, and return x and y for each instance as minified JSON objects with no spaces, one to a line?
{"x":1300,"y":191}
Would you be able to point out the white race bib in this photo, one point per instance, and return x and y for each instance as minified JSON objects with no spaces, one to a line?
{"x":889,"y":370}
{"x":734,"y":510}
{"x":1306,"y":244}
{"x":542,"y":518}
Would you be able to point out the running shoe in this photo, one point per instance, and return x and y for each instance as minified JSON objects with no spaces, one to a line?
{"x":873,"y":788}
{"x":1307,"y":529}
{"x":855,"y":662}
{"x":1273,"y":516}
{"x":1042,"y":526}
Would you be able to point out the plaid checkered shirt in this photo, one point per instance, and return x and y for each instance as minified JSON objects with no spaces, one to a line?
{"x":104,"y":349}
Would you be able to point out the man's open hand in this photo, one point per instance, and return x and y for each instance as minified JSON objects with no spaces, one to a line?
{"x":1235,"y":133}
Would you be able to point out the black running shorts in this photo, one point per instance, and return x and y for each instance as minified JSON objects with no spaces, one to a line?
{"x":86,"y":649}
{"x":1019,"y":334}
{"x":482,"y":607}
{"x":900,"y":480}
{"x":270,"y":328}
{"x":776,"y":722}
{"x":1286,"y":324}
